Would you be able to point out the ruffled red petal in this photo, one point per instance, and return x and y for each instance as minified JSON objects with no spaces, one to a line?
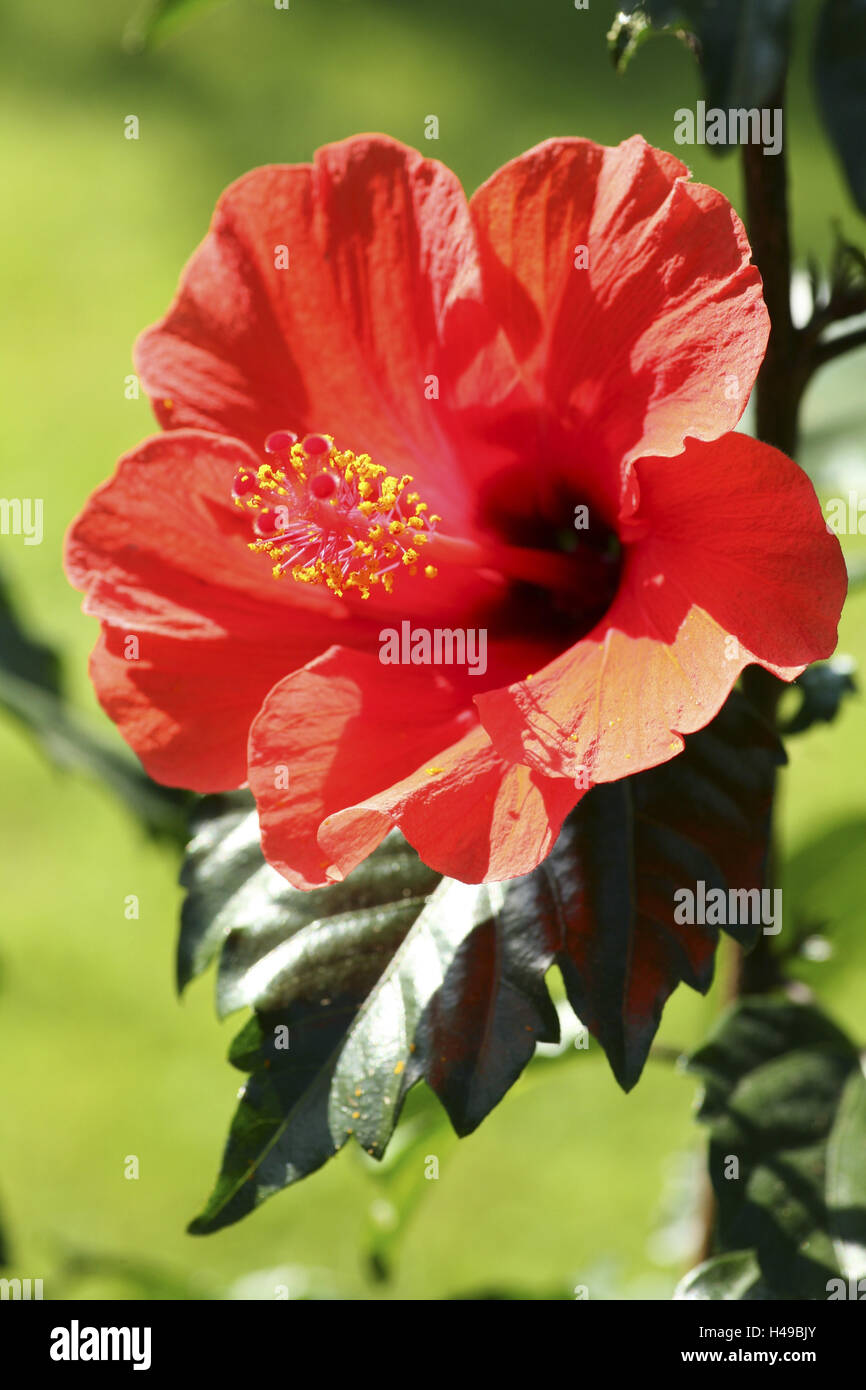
{"x":736,"y":567}
{"x":367,"y":331}
{"x":161,"y":545}
{"x":338,"y":755}
{"x":186,"y":706}
{"x":660,"y":336}
{"x":162,"y":557}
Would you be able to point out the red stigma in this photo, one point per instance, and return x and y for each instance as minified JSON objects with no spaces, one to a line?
{"x":316,"y":444}
{"x":244,"y":484}
{"x":268,"y":524}
{"x":280,"y":442}
{"x":323,"y":486}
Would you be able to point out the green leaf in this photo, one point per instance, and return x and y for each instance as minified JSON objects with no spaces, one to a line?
{"x":31,"y":691}
{"x":23,"y":657}
{"x":396,"y":975}
{"x":824,"y":881}
{"x":223,"y":868}
{"x":735,"y":1275}
{"x":276,"y":940}
{"x":605,"y":896}
{"x":846,"y":1179}
{"x":330,"y":1066}
{"x":328,"y":941}
{"x":483,"y":1023}
{"x":155,"y":20}
{"x":742,"y":46}
{"x":776,"y":1077}
{"x":628,"y":33}
{"x":840,"y":77}
{"x":822,"y":688}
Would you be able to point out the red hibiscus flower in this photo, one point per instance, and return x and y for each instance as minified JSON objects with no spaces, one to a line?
{"x":508,"y":417}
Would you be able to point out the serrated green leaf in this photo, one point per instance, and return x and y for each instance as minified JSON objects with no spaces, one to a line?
{"x":223,"y":864}
{"x":270,"y":932}
{"x":493,"y":1008}
{"x":776,"y":1074}
{"x":846,"y":1179}
{"x":286,"y":944}
{"x":735,"y":1275}
{"x":604,"y":899}
{"x":348,"y":1063}
{"x":380,"y":1039}
{"x":394,"y":975}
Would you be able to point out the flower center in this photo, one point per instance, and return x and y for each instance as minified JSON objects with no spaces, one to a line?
{"x":328,"y":516}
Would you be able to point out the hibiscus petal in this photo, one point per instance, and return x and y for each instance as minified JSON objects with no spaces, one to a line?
{"x":661,"y":335}
{"x":186,"y":706}
{"x":162,"y":557}
{"x":362,"y":751}
{"x":380,"y":295}
{"x":480,"y":819}
{"x":162,"y":546}
{"x":737,"y":567}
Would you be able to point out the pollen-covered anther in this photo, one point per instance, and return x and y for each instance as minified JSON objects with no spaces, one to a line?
{"x":328,"y":516}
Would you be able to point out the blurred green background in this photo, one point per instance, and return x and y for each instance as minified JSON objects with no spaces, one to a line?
{"x":568,"y":1182}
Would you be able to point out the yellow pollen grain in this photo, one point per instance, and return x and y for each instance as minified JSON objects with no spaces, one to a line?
{"x":431,"y":770}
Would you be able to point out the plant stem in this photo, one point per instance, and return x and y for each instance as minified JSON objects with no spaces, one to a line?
{"x":778,"y":391}
{"x":782,"y":378}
